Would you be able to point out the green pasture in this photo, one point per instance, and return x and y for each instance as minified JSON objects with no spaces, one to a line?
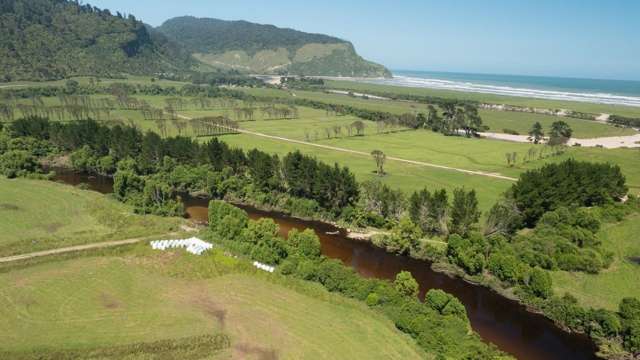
{"x":39,"y":215}
{"x":146,"y":296}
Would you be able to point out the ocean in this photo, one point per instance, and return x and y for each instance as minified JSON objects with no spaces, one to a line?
{"x":616,"y":92}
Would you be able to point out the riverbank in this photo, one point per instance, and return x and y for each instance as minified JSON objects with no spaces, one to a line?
{"x":333,"y":246}
{"x":495,"y":316}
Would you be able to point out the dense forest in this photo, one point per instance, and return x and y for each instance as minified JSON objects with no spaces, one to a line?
{"x":213,"y":35}
{"x":54,"y":39}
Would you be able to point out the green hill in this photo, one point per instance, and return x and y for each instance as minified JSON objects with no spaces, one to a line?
{"x":54,"y":39}
{"x":256,"y":48}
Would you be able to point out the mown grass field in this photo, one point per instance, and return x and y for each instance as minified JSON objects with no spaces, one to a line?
{"x":605,"y":290}
{"x":39,"y":215}
{"x":401,"y":176}
{"x":145,"y":296}
{"x":498,"y":121}
{"x":426,"y":146}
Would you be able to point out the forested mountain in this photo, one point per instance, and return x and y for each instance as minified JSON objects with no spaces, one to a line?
{"x":250,"y":47}
{"x":53,"y":39}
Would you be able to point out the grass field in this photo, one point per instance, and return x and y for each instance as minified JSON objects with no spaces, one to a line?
{"x":421,"y":145}
{"x":496,"y":120}
{"x":38,"y":215}
{"x":402,"y":176}
{"x":97,"y":302}
{"x":605,"y":290}
{"x":426,"y":146}
{"x":490,"y":98}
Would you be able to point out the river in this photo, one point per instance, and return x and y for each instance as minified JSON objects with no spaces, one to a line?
{"x":496,"y":319}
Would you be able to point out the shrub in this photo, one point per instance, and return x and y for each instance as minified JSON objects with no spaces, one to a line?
{"x":83,"y":159}
{"x":406,"y":285}
{"x":269,"y":251}
{"x":305,"y":243}
{"x":227,"y":220}
{"x":608,"y":323}
{"x":14,"y":163}
{"x":629,"y":308}
{"x":436,"y":299}
{"x":632,"y":337}
{"x":445,"y":304}
{"x":505,"y":267}
{"x":404,"y":237}
{"x":539,"y":283}
{"x":373,"y":299}
{"x":467,"y":253}
{"x":454,"y":307}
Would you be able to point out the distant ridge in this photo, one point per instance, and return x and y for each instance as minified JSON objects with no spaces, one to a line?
{"x":55,"y":39}
{"x":267,"y":49}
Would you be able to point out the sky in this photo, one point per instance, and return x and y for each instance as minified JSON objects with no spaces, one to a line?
{"x":570,"y":38}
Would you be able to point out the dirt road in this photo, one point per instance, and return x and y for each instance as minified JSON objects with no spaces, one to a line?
{"x":100,"y":245}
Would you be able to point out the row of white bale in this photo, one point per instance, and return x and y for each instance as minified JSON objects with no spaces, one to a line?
{"x":264,"y":267}
{"x":192,"y":245}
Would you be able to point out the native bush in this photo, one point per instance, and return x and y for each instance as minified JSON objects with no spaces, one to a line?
{"x":570,"y":183}
{"x":406,"y":285}
{"x":14,"y":163}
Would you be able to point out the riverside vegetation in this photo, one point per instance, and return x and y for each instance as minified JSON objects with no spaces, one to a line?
{"x":150,"y":173}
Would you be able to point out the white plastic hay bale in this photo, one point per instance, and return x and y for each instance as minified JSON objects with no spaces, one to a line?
{"x":264,"y":267}
{"x":192,"y":245}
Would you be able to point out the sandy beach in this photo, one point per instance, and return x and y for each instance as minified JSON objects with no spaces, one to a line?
{"x":613,"y":142}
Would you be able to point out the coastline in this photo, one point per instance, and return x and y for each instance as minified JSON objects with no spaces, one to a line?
{"x":595,"y":96}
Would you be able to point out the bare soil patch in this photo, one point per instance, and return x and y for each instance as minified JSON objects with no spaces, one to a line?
{"x":9,"y":207}
{"x":53,"y":227}
{"x":249,"y":351}
{"x":109,"y":301}
{"x":209,"y":307}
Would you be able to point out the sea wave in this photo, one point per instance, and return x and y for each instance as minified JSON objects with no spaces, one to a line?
{"x":598,"y":98}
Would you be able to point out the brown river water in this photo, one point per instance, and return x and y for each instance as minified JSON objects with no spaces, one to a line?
{"x":496,"y":319}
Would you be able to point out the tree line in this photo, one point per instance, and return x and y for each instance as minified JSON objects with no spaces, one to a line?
{"x":332,"y":187}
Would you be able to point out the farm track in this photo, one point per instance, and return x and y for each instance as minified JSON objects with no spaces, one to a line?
{"x":362,"y":153}
{"x":69,"y":249}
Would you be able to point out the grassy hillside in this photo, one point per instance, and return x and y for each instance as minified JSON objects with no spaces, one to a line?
{"x":38,"y":215}
{"x":103,"y":302}
{"x":53,"y":39}
{"x":256,"y":48}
